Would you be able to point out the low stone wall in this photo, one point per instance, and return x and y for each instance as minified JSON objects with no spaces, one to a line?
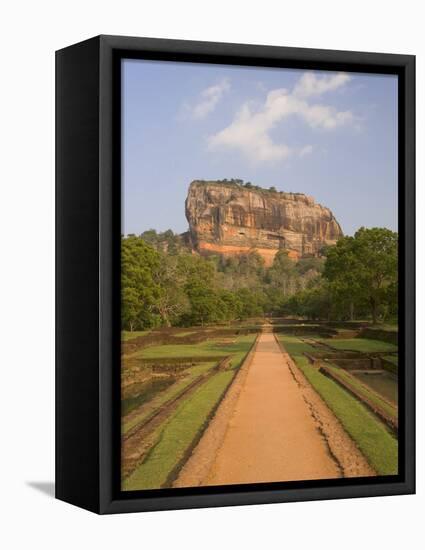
{"x":306,"y":330}
{"x":391,"y":422}
{"x":389,"y":336}
{"x":389,"y":367}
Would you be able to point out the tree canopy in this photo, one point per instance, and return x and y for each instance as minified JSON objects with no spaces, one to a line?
{"x":163,"y":284}
{"x":362,"y":270}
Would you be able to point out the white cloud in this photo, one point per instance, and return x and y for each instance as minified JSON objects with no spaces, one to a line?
{"x":311,"y":85}
{"x":250,"y":130}
{"x":306,"y":150}
{"x":208,"y":100}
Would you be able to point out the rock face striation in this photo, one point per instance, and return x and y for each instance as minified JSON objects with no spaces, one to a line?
{"x":229,"y":218}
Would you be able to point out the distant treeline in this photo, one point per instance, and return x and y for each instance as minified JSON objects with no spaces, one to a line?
{"x":247,"y":185}
{"x":164,"y":284}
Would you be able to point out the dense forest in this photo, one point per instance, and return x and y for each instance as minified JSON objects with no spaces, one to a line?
{"x":164,"y":284}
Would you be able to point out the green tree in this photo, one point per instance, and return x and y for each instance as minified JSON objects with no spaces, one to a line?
{"x":229,"y":305}
{"x":304,"y":265}
{"x":130,"y":308}
{"x":252,"y":302}
{"x":194,"y":268}
{"x":203,"y":303}
{"x":198,"y":280}
{"x":282,"y":274}
{"x":363,"y":269}
{"x":172,"y":301}
{"x":140,"y":265}
{"x":150,"y":236}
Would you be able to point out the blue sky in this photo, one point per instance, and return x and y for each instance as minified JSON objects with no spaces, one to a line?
{"x":330,"y":135}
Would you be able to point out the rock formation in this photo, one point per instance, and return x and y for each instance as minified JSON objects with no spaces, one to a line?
{"x":229,"y":218}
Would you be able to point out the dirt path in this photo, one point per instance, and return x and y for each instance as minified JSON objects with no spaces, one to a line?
{"x":273,"y":432}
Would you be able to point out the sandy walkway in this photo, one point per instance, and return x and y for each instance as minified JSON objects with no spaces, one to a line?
{"x":272,"y":435}
{"x":272,"y":426}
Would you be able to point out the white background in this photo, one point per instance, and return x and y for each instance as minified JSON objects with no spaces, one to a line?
{"x":30,"y":32}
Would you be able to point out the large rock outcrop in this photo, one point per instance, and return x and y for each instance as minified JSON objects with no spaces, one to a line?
{"x":229,"y":218}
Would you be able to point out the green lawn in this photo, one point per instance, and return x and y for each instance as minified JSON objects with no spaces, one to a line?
{"x":391,"y":326}
{"x":392,"y":359}
{"x":177,"y":435}
{"x":210,"y":347}
{"x":359,"y":344}
{"x":126,"y":335}
{"x":294,"y":346}
{"x":371,"y":436}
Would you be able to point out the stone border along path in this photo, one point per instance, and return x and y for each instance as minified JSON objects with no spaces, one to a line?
{"x":272,"y":426}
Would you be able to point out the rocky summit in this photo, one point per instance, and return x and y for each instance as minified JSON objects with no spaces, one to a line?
{"x":229,"y":217}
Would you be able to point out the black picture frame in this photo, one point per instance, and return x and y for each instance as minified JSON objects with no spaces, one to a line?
{"x":88,"y":195}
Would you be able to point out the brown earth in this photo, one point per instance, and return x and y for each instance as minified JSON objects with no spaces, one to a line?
{"x":273,"y":428}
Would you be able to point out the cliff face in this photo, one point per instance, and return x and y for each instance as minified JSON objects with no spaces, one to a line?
{"x":230,"y":219}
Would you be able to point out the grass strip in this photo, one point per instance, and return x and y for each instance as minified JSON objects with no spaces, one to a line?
{"x":178,"y":433}
{"x":392,"y":359}
{"x":371,"y":436}
{"x":209,"y":347}
{"x":364,"y":391}
{"x":358,"y":344}
{"x":127,"y":335}
{"x":165,"y":396}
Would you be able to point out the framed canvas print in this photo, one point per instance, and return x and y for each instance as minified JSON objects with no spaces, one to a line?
{"x":235,"y":274}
